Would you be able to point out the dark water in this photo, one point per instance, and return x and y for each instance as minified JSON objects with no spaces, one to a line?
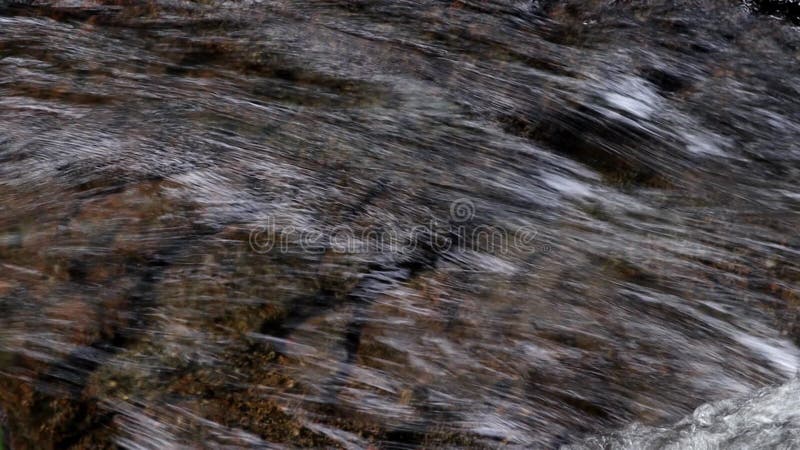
{"x":397,"y":224}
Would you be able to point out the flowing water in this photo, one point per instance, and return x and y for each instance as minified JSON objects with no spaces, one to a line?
{"x":399,"y":224}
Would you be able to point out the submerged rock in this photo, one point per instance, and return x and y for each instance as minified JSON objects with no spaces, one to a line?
{"x":768,"y":418}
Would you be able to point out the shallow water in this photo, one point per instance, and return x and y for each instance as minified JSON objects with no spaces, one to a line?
{"x":394,"y":224}
{"x":765,"y":419}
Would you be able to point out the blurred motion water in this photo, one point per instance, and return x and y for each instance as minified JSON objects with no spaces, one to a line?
{"x":766,"y":419}
{"x":643,"y":155}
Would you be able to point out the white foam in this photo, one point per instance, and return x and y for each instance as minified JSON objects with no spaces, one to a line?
{"x":634,"y":97}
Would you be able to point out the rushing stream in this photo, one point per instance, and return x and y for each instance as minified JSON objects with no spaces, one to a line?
{"x":399,"y":224}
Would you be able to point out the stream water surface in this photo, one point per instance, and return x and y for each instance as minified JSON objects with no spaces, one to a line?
{"x":399,"y":224}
